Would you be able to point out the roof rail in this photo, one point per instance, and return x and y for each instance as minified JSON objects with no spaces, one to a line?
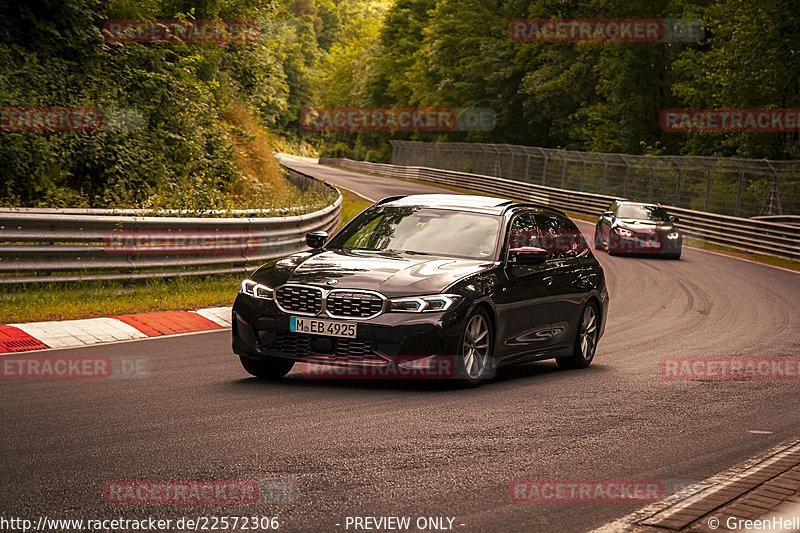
{"x":509,"y":205}
{"x":390,"y":199}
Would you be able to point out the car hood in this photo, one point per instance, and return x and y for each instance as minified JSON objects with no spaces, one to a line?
{"x":644,"y":226}
{"x":392,"y":274}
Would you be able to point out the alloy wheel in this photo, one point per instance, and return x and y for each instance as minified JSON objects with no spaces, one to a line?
{"x":588,"y":333}
{"x":476,"y":346}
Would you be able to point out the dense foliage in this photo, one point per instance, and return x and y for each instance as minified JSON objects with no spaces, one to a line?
{"x":582,"y":95}
{"x":186,"y":121}
{"x":174,"y":132}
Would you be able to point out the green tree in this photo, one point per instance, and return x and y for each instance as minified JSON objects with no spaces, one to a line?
{"x":752,"y":61}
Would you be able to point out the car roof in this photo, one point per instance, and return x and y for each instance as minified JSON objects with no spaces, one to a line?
{"x":628,"y":202}
{"x":464,"y":202}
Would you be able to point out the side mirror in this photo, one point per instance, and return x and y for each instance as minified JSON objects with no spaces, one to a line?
{"x":608,"y":214}
{"x":316,"y":239}
{"x":673,"y":218}
{"x":527,"y":255}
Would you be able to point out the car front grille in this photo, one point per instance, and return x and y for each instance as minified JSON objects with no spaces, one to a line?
{"x":352,"y":348}
{"x":300,"y":299}
{"x":300,"y":345}
{"x":354,"y":304}
{"x":646,"y":236}
{"x":291,"y":345}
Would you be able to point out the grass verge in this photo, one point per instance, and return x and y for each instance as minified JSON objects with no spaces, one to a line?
{"x":352,"y":204}
{"x":89,"y":299}
{"x":781,"y":262}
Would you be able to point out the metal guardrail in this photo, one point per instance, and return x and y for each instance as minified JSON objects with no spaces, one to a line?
{"x":47,"y":245}
{"x":724,"y":185}
{"x":793,"y":220}
{"x":758,"y":236}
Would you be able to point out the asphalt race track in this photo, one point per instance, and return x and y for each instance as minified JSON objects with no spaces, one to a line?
{"x":414,"y":449}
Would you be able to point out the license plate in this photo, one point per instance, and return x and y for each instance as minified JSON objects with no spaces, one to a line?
{"x":651,"y":244}
{"x":322,"y":327}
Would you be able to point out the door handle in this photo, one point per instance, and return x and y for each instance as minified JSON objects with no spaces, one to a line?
{"x":547,"y":280}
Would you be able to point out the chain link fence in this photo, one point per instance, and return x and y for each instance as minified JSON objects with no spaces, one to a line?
{"x":728,"y":186}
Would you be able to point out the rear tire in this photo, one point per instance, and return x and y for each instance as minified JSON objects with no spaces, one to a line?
{"x":585,"y":340}
{"x":269,"y":368}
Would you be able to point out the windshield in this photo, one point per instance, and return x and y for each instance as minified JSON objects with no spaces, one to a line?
{"x":422,"y":230}
{"x":642,"y":212}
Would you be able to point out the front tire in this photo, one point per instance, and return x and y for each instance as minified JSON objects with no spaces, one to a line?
{"x":475,"y":362}
{"x":585,"y":340}
{"x":614,"y":244}
{"x":268,"y":368}
{"x":598,"y":241}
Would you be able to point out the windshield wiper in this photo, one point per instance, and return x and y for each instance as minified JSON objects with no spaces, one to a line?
{"x":410,"y":252}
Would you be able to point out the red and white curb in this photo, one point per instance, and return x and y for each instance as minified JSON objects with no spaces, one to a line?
{"x":76,"y":333}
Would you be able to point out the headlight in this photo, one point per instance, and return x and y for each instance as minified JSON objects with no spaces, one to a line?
{"x":420,"y":304}
{"x":624,"y":232}
{"x":256,"y":290}
{"x":673,"y":235}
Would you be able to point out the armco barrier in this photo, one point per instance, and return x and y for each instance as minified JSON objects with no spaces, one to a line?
{"x":75,"y":244}
{"x":750,"y":235}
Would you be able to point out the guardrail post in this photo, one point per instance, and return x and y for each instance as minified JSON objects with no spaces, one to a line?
{"x":544,"y":168}
{"x":708,"y":188}
{"x":652,"y":178}
{"x":527,"y":165}
{"x":739,"y":193}
{"x":627,"y":177}
{"x":564,"y":171}
{"x":603,"y":177}
{"x":583,"y":173}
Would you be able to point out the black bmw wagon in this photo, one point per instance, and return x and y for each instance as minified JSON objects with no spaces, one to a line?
{"x":413,"y":281}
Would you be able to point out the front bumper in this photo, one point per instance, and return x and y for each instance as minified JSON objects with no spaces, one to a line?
{"x":260,"y":329}
{"x":652,"y":244}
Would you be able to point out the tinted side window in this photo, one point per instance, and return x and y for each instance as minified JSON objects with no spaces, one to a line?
{"x":523,"y":232}
{"x":560,"y":237}
{"x":579,"y":244}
